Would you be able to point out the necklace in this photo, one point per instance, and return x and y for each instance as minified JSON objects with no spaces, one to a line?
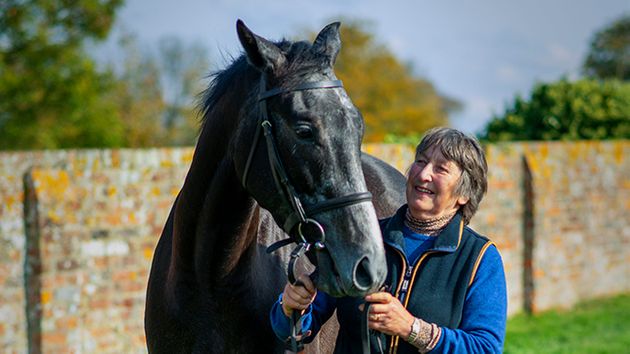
{"x":431,"y":227}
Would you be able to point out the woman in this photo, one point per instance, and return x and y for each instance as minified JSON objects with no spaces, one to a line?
{"x":446,"y":283}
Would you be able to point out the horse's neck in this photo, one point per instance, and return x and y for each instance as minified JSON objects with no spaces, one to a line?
{"x":216,"y":227}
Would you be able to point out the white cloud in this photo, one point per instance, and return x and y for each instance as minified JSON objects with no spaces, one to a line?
{"x":508,"y":74}
{"x":561,"y":55}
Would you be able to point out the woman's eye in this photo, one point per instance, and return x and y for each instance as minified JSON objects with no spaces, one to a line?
{"x":304,"y":132}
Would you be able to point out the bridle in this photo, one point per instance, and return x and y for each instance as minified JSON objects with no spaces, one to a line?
{"x":301,"y":214}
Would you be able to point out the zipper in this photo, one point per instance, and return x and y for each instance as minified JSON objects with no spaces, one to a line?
{"x":404,"y":289}
{"x":402,"y":279}
{"x":405,"y":284}
{"x":399,"y":288}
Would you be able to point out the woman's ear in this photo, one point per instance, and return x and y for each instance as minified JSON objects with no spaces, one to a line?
{"x":462,"y":200}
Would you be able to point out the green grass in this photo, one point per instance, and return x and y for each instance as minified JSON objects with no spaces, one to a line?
{"x":599,"y":326}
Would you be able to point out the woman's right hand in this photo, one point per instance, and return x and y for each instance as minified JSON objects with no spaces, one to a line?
{"x":299,"y":296}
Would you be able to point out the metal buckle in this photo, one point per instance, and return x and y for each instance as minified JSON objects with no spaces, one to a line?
{"x":319,"y":242}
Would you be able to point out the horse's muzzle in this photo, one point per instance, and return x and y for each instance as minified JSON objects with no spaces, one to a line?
{"x":346,"y":274}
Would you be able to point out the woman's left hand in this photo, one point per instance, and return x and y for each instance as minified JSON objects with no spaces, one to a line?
{"x":388,"y":315}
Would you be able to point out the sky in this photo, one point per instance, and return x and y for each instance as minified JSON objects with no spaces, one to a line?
{"x":482,"y":53}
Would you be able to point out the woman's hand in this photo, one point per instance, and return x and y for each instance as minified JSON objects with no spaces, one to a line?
{"x":388,"y":315}
{"x":299,"y":296}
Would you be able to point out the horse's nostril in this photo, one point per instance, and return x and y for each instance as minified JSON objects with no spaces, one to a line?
{"x":362,"y":276}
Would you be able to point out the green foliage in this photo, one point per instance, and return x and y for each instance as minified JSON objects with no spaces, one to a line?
{"x":609,"y":54}
{"x":565,"y":110}
{"x":392,"y":100}
{"x":51,"y":92}
{"x":599,"y":326}
{"x":182,"y":69}
{"x":156,"y":92}
{"x":138,"y":96}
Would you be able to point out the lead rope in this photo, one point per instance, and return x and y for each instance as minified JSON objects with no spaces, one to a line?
{"x":365,"y":329}
{"x":295,"y":343}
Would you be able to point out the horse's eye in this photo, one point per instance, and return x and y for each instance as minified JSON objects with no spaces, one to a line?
{"x":304,"y":131}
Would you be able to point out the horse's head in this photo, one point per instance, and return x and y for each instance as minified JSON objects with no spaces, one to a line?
{"x":317,"y":134}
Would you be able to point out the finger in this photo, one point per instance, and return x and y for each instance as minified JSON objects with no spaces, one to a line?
{"x":375,"y":325}
{"x":381,"y":297}
{"x":301,"y":291}
{"x":297,"y":300}
{"x":307,"y":283}
{"x":288,"y":305}
{"x":375,"y":317}
{"x":379,"y":308}
{"x":295,"y":305}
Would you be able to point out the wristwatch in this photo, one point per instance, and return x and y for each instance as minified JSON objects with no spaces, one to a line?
{"x":415,"y":330}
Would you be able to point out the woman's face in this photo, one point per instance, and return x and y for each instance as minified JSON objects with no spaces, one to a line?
{"x":431,"y":186}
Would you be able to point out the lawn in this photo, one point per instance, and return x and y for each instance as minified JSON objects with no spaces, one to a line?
{"x":600,"y":326}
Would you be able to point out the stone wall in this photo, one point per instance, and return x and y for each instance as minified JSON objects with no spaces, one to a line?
{"x":557,"y":211}
{"x":95,"y":216}
{"x":13,"y":166}
{"x":581,"y":221}
{"x":501,"y":213}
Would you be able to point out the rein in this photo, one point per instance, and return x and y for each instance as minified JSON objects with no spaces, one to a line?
{"x":301,"y":215}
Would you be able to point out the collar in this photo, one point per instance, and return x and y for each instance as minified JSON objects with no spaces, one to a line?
{"x":446,"y":241}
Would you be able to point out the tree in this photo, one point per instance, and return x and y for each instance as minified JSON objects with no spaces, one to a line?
{"x":51,"y":91}
{"x":138,"y":96}
{"x":609,"y":54}
{"x":564,"y":110}
{"x":156,"y":91}
{"x":182,"y":69}
{"x":394,"y":103}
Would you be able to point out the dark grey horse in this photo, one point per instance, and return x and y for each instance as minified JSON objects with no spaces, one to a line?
{"x":212,"y":283}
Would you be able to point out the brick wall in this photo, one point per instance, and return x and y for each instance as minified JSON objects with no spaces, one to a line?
{"x":581,"y":221}
{"x":13,"y":324}
{"x":500,"y":215}
{"x":94,"y":221}
{"x":557,"y":211}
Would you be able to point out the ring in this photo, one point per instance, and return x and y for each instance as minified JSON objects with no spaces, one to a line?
{"x":375,"y":317}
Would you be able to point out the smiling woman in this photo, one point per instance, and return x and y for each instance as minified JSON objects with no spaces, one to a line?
{"x":445,"y":286}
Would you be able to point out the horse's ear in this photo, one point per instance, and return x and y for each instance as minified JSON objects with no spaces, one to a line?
{"x":261,"y":53}
{"x":328,"y":42}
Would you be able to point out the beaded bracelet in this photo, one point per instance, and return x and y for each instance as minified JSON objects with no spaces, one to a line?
{"x":424,"y":335}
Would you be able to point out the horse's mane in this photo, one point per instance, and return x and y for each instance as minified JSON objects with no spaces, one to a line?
{"x":221,"y":105}
{"x":238,"y":75}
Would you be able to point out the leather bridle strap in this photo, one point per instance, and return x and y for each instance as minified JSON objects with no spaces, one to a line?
{"x":304,"y":86}
{"x":365,"y":329}
{"x":300,"y":215}
{"x":263,"y":96}
{"x":326,"y":205}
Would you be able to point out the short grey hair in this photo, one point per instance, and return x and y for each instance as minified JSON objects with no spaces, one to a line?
{"x":466,"y":152}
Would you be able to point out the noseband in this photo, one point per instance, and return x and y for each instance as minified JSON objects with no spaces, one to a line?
{"x":301,"y":214}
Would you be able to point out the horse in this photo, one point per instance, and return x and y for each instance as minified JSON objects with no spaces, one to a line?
{"x":212,"y":283}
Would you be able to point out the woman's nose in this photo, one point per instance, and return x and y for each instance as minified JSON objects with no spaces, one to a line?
{"x":426,"y":172}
